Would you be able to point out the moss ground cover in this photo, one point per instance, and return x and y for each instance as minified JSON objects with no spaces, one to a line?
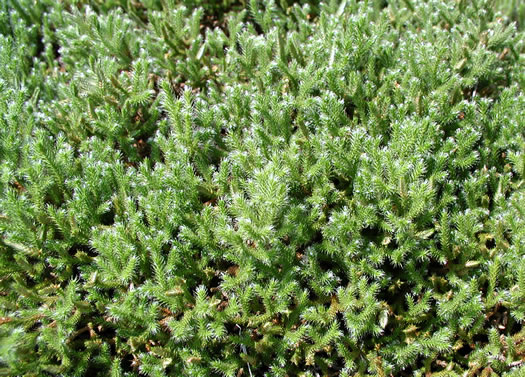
{"x":262,"y":188}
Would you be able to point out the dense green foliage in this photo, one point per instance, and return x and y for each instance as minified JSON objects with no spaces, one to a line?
{"x":262,"y":188}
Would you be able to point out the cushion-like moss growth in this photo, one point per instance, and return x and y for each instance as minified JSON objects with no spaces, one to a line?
{"x":262,"y":188}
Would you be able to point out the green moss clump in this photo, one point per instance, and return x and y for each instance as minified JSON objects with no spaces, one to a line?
{"x":262,"y":188}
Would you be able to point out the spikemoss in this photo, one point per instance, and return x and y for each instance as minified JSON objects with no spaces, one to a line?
{"x":266,"y":188}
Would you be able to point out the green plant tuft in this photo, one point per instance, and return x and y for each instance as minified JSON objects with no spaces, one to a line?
{"x":262,"y":188}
